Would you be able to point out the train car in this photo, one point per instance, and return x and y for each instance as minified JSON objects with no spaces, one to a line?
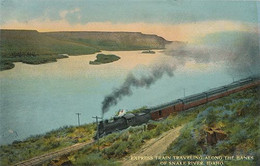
{"x":179,"y":106}
{"x":194,"y":100}
{"x":232,"y":88}
{"x":246,"y":83}
{"x":240,"y":85}
{"x":216,"y":93}
{"x":163,"y":111}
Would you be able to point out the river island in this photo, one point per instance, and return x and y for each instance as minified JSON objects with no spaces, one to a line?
{"x":104,"y":58}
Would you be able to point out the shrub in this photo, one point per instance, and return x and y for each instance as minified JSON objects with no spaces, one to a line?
{"x":240,"y":136}
{"x":147,"y":135}
{"x":240,"y":163}
{"x":117,"y":150}
{"x":94,"y":159}
{"x":211,"y":118}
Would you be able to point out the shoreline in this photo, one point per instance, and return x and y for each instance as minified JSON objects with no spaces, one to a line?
{"x":7,"y":63}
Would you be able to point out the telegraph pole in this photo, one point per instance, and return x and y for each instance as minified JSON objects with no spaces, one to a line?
{"x":96,"y":117}
{"x":78,"y":118}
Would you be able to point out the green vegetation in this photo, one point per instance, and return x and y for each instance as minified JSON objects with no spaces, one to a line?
{"x":6,"y":65}
{"x":112,"y":41}
{"x":32,"y":47}
{"x":103,"y":58}
{"x":117,"y":145}
{"x":236,"y":115}
{"x":40,"y":144}
{"x":28,"y":58}
{"x":28,"y":41}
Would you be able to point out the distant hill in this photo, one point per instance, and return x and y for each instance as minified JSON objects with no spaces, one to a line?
{"x":13,"y":41}
{"x":32,"y":47}
{"x":112,"y":40}
{"x":75,"y":43}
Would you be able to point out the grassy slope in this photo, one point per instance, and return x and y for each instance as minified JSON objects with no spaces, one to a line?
{"x":118,"y":145}
{"x":237,"y":115}
{"x":33,"y":41}
{"x":113,"y":40}
{"x":37,"y":145}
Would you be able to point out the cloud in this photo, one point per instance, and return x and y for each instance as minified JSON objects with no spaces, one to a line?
{"x":72,"y":16}
{"x":176,"y":32}
{"x":64,"y":13}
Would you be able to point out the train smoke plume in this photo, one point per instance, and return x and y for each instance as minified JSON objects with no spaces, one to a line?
{"x":132,"y":81}
{"x":245,"y":56}
{"x":240,"y":54}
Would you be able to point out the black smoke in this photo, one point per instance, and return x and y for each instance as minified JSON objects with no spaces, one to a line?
{"x":131,"y":81}
{"x":240,"y":56}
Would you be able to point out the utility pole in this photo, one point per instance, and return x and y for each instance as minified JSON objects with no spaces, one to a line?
{"x":184,"y":92}
{"x":78,"y":118}
{"x":96,"y":117}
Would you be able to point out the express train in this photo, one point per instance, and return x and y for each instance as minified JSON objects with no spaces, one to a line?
{"x":162,"y":111}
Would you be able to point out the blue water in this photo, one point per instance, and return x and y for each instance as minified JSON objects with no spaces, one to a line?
{"x":38,"y":98}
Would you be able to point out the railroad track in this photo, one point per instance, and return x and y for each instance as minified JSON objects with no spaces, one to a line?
{"x":48,"y":156}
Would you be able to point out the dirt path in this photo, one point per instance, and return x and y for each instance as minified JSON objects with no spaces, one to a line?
{"x":48,"y":156}
{"x":153,"y":147}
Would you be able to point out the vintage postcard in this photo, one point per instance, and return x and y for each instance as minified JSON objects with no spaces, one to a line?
{"x":140,"y":82}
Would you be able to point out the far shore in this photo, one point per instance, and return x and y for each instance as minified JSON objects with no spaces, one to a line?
{"x":8,"y":63}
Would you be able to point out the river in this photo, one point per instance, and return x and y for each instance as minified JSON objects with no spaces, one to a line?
{"x":39,"y":98}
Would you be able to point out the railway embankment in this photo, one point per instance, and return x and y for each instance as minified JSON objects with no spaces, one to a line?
{"x":47,"y":143}
{"x":236,"y":116}
{"x":226,"y":127}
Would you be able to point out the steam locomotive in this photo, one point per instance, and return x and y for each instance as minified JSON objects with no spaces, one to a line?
{"x":119,"y":123}
{"x":162,"y":111}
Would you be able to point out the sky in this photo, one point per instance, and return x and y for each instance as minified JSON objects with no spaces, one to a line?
{"x":181,"y":20}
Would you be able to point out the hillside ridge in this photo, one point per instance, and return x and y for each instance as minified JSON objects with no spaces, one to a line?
{"x":33,"y":47}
